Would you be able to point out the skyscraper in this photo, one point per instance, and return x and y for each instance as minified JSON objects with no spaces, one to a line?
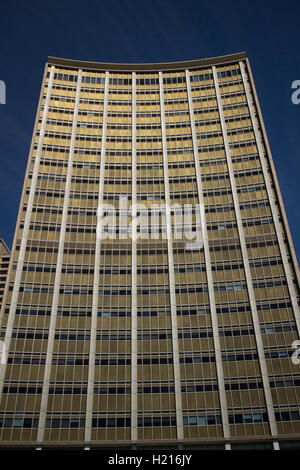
{"x":153,"y":288}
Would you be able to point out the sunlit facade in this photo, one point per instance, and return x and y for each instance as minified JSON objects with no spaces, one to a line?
{"x":122,"y":331}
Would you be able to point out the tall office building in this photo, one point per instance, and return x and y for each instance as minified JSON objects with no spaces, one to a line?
{"x":153,"y":287}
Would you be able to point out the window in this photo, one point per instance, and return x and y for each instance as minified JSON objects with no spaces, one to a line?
{"x":193,"y":420}
{"x":201,"y":420}
{"x":18,"y":423}
{"x":268,"y":331}
{"x":253,"y":418}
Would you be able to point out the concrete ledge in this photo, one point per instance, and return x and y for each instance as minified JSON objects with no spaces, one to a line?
{"x":167,"y":66}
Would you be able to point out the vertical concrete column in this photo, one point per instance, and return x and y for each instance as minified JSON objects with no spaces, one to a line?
{"x":255,"y":318}
{"x":177,"y":384}
{"x":134,"y":421}
{"x":55,"y":298}
{"x":210,"y":283}
{"x":95,"y":301}
{"x":271,"y":195}
{"x":18,"y":275}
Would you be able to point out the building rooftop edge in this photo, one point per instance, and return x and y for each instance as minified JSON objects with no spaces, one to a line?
{"x":167,"y":66}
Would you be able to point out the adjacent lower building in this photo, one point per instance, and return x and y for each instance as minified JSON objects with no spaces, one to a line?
{"x":153,"y":288}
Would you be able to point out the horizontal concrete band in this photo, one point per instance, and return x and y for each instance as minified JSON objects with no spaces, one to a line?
{"x":107,"y":445}
{"x":149,"y":246}
{"x":167,"y":66}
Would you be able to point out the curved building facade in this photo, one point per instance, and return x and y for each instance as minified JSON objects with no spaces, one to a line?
{"x":153,"y":289}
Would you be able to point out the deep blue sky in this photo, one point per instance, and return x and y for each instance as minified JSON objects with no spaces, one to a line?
{"x":149,"y":31}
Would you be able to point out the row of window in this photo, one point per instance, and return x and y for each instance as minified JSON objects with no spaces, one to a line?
{"x":207,"y":122}
{"x":179,"y":138}
{"x":234,"y":108}
{"x":275,"y":354}
{"x":228,"y":111}
{"x":152,"y":313}
{"x":123,"y":250}
{"x":188,"y":334}
{"x":116,"y":270}
{"x":143,"y":313}
{"x":145,"y":81}
{"x":208,"y":93}
{"x":181,"y":194}
{"x":182,"y":227}
{"x":143,"y":166}
{"x":203,"y":89}
{"x":145,"y":291}
{"x":184,"y":230}
{"x":204,"y":420}
{"x":154,"y":179}
{"x":103,"y":314}
{"x":151,"y":211}
{"x":141,"y":152}
{"x":127,"y":103}
{"x":242,"y":117}
{"x":120,"y":390}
